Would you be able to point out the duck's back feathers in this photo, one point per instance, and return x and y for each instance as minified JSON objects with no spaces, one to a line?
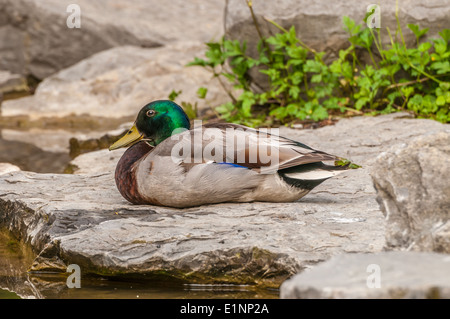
{"x":240,"y":145}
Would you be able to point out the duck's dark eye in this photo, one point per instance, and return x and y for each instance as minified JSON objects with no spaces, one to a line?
{"x":150,"y":113}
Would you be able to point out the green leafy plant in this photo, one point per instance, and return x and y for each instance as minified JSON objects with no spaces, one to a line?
{"x":190,"y":109}
{"x":302,"y":86}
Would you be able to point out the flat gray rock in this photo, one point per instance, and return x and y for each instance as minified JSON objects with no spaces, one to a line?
{"x":413,"y":188}
{"x":35,"y":37}
{"x":117,"y":82}
{"x":82,"y":219}
{"x":319,"y":23}
{"x":8,"y":168}
{"x":381,"y":275}
{"x":12,"y":82}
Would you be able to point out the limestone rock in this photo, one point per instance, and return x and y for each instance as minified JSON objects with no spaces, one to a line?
{"x":32,"y":158}
{"x":413,"y":190}
{"x":117,"y":82}
{"x":85,"y":220}
{"x":11,"y":82}
{"x":35,"y":38}
{"x":8,"y":168}
{"x":319,"y":23}
{"x":382,"y":275}
{"x":96,"y":162}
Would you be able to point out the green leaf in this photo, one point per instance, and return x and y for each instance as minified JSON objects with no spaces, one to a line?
{"x":366,"y":38}
{"x":441,"y":67}
{"x":173,"y":95}
{"x":312,"y":66}
{"x":279,"y":112}
{"x":416,"y":30}
{"x":201,"y":92}
{"x":294,"y":91}
{"x":189,"y":109}
{"x":350,"y":26}
{"x":225,"y":110}
{"x":407,"y":91}
{"x":345,"y":162}
{"x":319,"y":113}
{"x":197,"y":62}
{"x":445,"y":34}
{"x":424,"y":46}
{"x":248,"y":99}
{"x":316,"y":78}
{"x":445,"y":86}
{"x":440,"y":100}
{"x":361,"y":103}
{"x":440,"y":46}
{"x":292,"y":109}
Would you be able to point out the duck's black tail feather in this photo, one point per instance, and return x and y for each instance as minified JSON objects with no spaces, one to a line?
{"x":310,"y":175}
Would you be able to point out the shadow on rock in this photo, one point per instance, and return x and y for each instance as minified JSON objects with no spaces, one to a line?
{"x":31,"y":158}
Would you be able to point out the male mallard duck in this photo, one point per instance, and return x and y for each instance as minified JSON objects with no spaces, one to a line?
{"x":221,"y":162}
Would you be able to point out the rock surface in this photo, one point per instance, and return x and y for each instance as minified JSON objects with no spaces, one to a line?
{"x":117,"y":82}
{"x":8,"y":168}
{"x":11,"y":82}
{"x":98,"y":161}
{"x":319,"y":23}
{"x":381,"y":275}
{"x":413,"y":188}
{"x":35,"y":38}
{"x":32,"y":158}
{"x":82,"y":218}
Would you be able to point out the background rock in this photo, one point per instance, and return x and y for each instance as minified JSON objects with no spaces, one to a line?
{"x":35,"y":39}
{"x":11,"y":82}
{"x":413,"y":190}
{"x":401,"y":275}
{"x":83,"y":219}
{"x":319,"y":23}
{"x":56,"y":141}
{"x":32,"y":158}
{"x":50,"y":150}
{"x":117,"y":82}
{"x":98,"y":161}
{"x":8,"y":168}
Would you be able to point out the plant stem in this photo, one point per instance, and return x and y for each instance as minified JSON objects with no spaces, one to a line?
{"x":255,"y":22}
{"x":406,"y":83}
{"x":306,"y":84}
{"x":371,"y":57}
{"x":378,"y":45}
{"x":217,"y":75}
{"x":399,"y":28}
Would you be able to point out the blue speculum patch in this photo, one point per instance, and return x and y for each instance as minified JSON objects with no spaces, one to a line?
{"x":232,"y":164}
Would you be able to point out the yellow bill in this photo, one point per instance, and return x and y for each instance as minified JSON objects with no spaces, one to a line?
{"x":131,"y":137}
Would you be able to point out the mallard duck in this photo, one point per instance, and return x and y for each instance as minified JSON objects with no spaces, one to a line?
{"x":168,"y":163}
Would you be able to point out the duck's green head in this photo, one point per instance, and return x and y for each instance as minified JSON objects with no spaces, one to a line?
{"x":155,"y":122}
